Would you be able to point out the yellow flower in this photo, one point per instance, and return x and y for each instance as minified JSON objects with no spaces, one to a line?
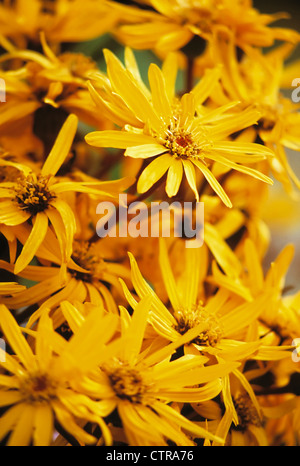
{"x":61,"y":20}
{"x":243,"y":421}
{"x":176,"y":22}
{"x":257,"y":80}
{"x":281,"y":315}
{"x":223,"y":320}
{"x":38,"y":197}
{"x":180,"y":135}
{"x":45,"y":88}
{"x":39,"y":386}
{"x":141,"y":382}
{"x":91,"y":275}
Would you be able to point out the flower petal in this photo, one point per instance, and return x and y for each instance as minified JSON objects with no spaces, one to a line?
{"x":35,"y":239}
{"x":61,"y":147}
{"x":153,"y":172}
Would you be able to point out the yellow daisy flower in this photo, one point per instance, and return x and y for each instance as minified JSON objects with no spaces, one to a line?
{"x":61,"y":20}
{"x":91,"y":275}
{"x":243,"y":421}
{"x":38,"y":197}
{"x":141,"y":383}
{"x":178,"y":136}
{"x":43,"y":91}
{"x":281,"y":314}
{"x":257,"y":80}
{"x":176,"y":22}
{"x":224,"y":318}
{"x":38,"y":387}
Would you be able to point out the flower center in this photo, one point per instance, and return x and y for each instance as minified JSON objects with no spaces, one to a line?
{"x":39,"y":388}
{"x":32,"y":193}
{"x":190,"y":318}
{"x":85,"y":256}
{"x":180,"y":143}
{"x":78,"y":63}
{"x":246,"y":411}
{"x":127,"y":382}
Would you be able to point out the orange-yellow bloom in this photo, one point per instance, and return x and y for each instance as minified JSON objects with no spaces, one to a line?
{"x":179,"y":134}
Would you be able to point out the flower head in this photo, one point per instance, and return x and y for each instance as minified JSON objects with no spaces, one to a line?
{"x":177,"y":22}
{"x":179,"y":134}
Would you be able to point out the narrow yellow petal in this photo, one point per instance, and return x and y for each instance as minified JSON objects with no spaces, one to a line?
{"x":134,"y":336}
{"x":153,"y":172}
{"x":11,"y":215}
{"x":168,"y":277}
{"x":117,"y":139}
{"x":190,"y":174}
{"x":61,"y":147}
{"x":174,"y":178}
{"x":158,"y":89}
{"x":14,"y":335}
{"x":43,"y":426}
{"x":35,"y":239}
{"x":145,"y":151}
{"x":213,"y":182}
{"x":69,"y":222}
{"x":10,"y":419}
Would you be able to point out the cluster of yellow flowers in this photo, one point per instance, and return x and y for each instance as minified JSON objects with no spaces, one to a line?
{"x":144,"y":341}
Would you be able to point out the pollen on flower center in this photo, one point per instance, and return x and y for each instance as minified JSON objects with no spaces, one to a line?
{"x":180,"y":144}
{"x":77,"y":63}
{"x":86,"y":257}
{"x":38,"y":388}
{"x":32,"y":193}
{"x":127,"y":382}
{"x":190,"y":318}
{"x":246,"y":411}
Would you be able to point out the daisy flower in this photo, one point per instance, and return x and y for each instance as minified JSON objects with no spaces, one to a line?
{"x":141,"y":383}
{"x":91,"y":275}
{"x":281,"y":315}
{"x":257,"y":80}
{"x":177,"y":22}
{"x":37,"y":197}
{"x":227,"y":321}
{"x":179,"y":135}
{"x":46,"y":87}
{"x":38,"y":381}
{"x":61,"y":20}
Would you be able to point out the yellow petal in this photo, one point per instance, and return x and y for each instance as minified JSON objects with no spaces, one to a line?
{"x":35,"y":239}
{"x":160,"y":98}
{"x":61,"y":147}
{"x":69,"y":222}
{"x":213,"y":183}
{"x":117,"y":139}
{"x":153,"y":172}
{"x":190,"y":174}
{"x":168,"y":277}
{"x":14,"y":335}
{"x":11,"y":215}
{"x":43,"y":426}
{"x":174,"y":178}
{"x":145,"y":151}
